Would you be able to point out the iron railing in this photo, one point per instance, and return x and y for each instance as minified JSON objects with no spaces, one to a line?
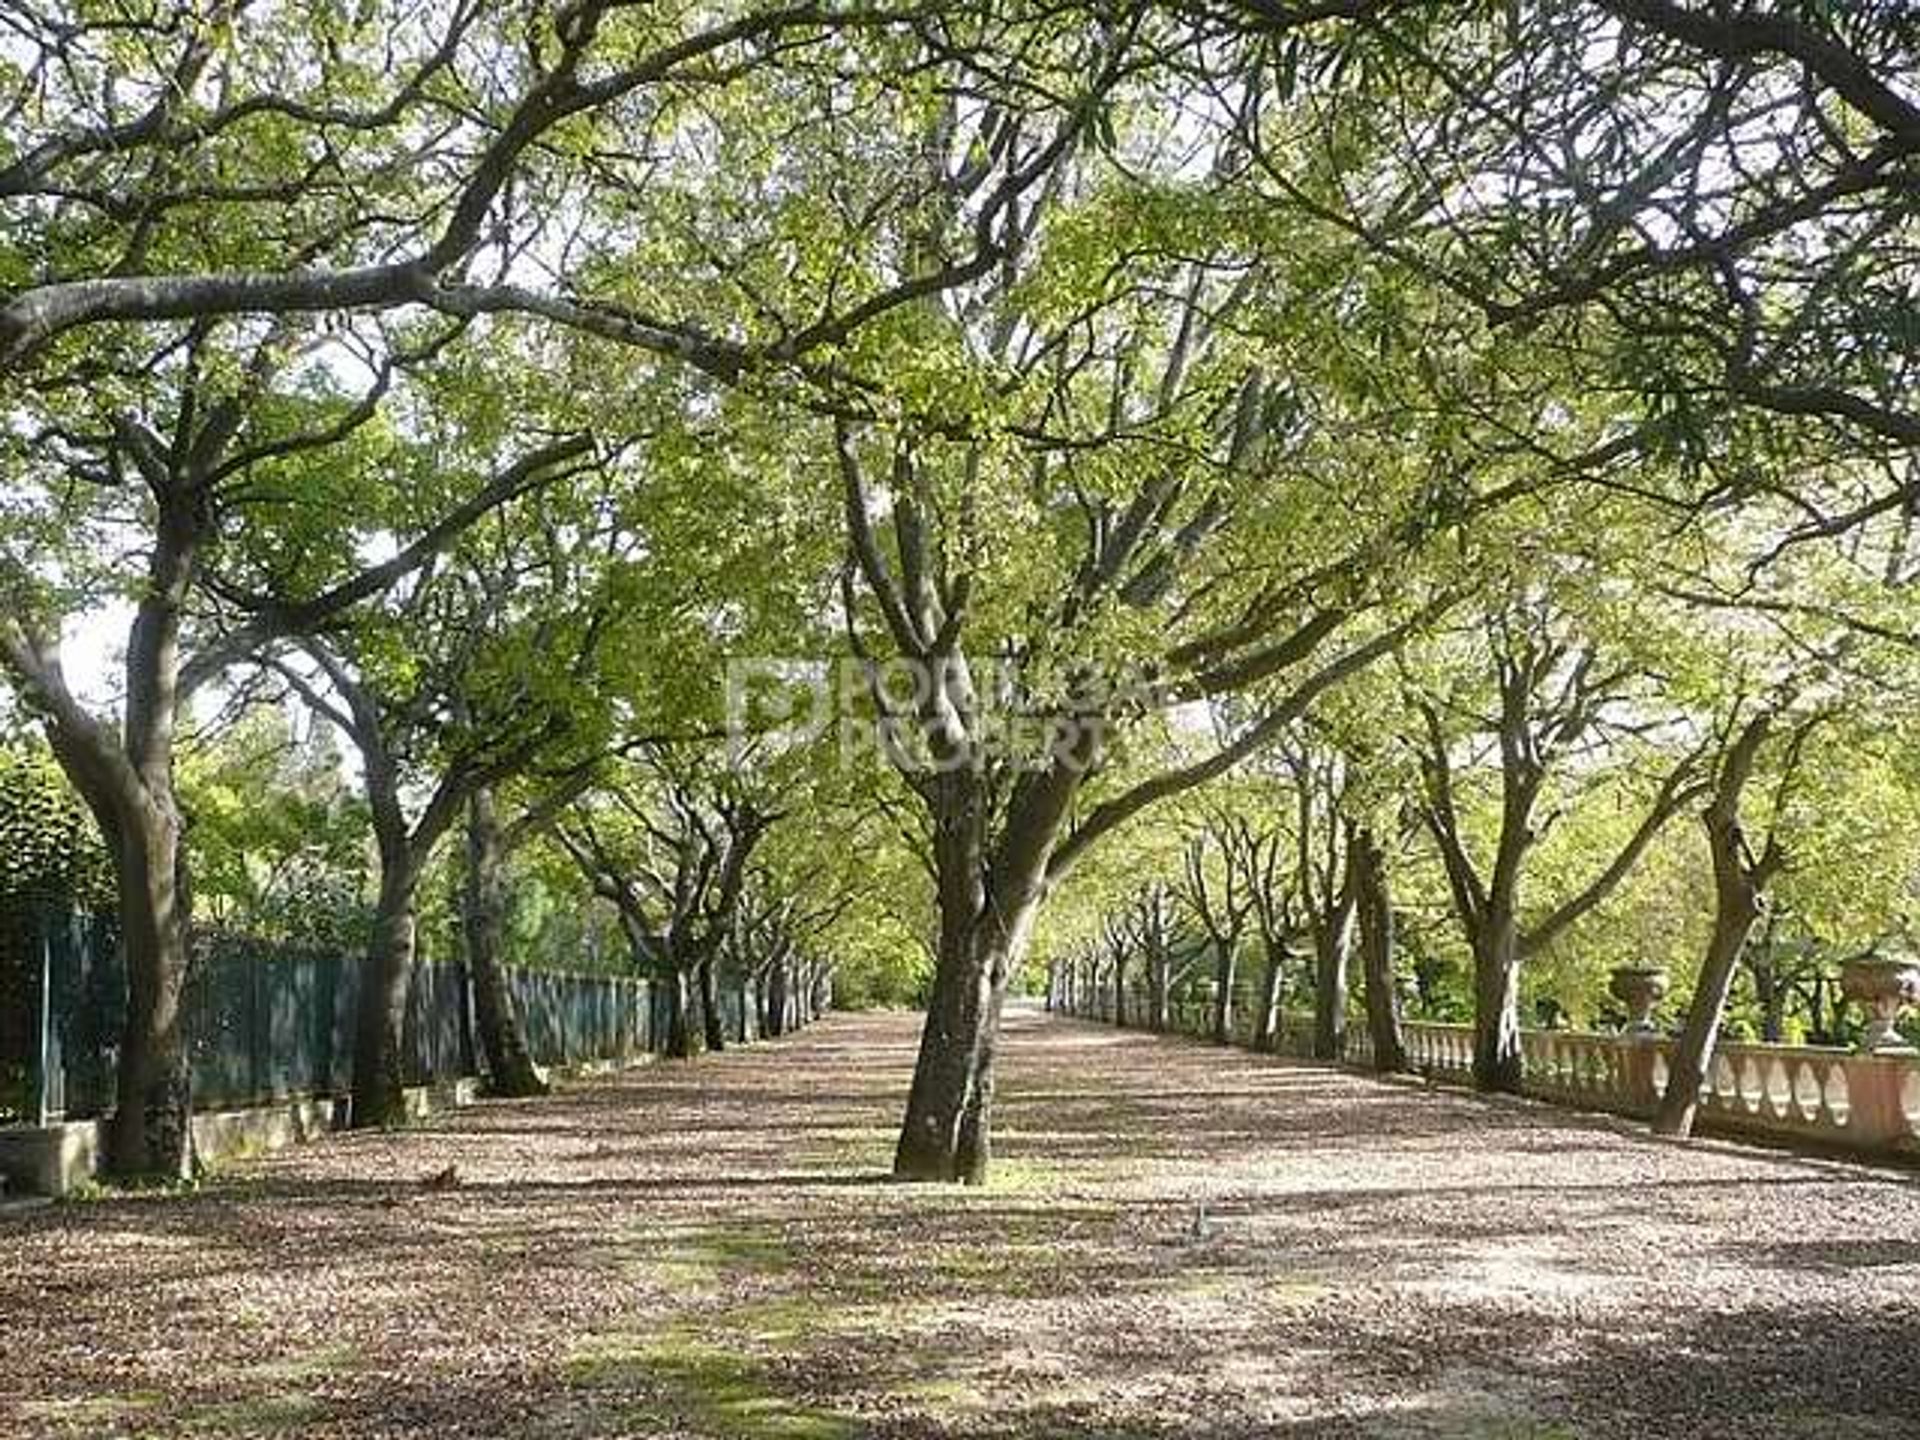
{"x":267,"y":1021}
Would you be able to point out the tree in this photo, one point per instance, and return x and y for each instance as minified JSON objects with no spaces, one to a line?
{"x":1552,"y":692}
{"x":1105,"y":587}
{"x":1219,"y":896}
{"x":1373,"y":908}
{"x":1150,"y":922}
{"x":275,"y":833}
{"x":1740,"y":880}
{"x":1252,"y":854}
{"x":192,"y":452}
{"x":1703,"y":203}
{"x":491,"y":841}
{"x":470,"y":675}
{"x":671,"y":850}
{"x":1323,"y":869}
{"x":49,"y":846}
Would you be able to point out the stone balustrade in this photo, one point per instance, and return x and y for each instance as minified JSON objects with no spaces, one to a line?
{"x":1832,"y":1098}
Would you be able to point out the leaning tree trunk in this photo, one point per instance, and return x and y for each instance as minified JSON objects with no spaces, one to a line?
{"x":1373,"y":893}
{"x":1694,"y":1050}
{"x":379,"y":1078}
{"x":1225,"y":956}
{"x":712,"y":1020}
{"x":125,"y":775}
{"x":483,"y":911}
{"x":1739,"y":900}
{"x":150,"y":1133}
{"x":1497,"y":1063}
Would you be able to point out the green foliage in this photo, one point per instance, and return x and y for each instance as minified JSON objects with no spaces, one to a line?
{"x":278,"y":839}
{"x":50,"y":847}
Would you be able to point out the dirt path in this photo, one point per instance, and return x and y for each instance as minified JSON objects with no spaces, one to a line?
{"x":1180,"y":1241}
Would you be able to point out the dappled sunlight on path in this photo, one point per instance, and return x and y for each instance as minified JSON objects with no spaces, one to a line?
{"x":1179,"y":1240}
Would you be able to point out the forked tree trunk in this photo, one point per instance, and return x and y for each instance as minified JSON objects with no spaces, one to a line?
{"x":483,"y":910}
{"x":947,"y":1132}
{"x":1739,"y":900}
{"x":1497,"y":1062}
{"x":380,"y":1035}
{"x":712,"y":1020}
{"x":1373,"y":895}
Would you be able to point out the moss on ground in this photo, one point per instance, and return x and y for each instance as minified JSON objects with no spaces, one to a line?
{"x":89,"y":1415}
{"x":257,"y":1415}
{"x":717,"y":1391}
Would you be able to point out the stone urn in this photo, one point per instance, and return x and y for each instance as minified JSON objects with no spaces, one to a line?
{"x":1884,"y":984}
{"x":1640,"y":988}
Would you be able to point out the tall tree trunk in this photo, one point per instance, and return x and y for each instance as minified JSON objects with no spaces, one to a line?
{"x":712,"y":1019}
{"x":1266,"y":1033}
{"x":946,"y":1132}
{"x":1157,"y":964}
{"x":1331,"y":944}
{"x":150,"y":1133}
{"x":988,"y":896}
{"x":1373,"y":894}
{"x":679,"y":1017}
{"x":380,"y":1034}
{"x":1773,"y":1003}
{"x":1739,"y":900}
{"x":1497,"y":1061}
{"x":483,"y":910}
{"x":1120,"y":992}
{"x":125,"y":775}
{"x":984,"y":928}
{"x":778,"y":981}
{"x":1225,"y":965}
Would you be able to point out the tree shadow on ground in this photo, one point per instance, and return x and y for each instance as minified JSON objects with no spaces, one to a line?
{"x":1180,"y":1240}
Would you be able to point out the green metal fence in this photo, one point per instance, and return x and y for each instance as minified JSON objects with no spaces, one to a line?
{"x":268,"y":1021}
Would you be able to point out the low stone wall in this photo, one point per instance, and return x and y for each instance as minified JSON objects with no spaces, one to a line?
{"x":60,"y":1158}
{"x":1830,"y":1099}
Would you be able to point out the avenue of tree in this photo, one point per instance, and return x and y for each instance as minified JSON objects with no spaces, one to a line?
{"x":1343,"y":489}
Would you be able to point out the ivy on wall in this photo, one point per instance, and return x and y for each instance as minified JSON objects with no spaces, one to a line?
{"x":50,"y":849}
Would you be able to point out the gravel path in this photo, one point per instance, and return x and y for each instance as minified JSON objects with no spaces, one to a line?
{"x":1180,"y":1241}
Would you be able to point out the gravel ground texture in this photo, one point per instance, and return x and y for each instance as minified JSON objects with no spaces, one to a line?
{"x":1178,"y":1241}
